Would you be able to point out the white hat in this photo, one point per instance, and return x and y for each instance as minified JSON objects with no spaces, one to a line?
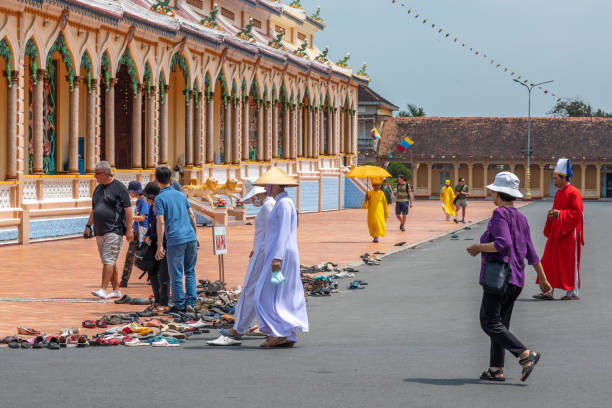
{"x":251,"y":191}
{"x":564,"y":168}
{"x":507,"y":183}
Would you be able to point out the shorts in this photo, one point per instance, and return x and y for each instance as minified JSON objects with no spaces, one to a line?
{"x":402,"y":207}
{"x":109,"y":246}
{"x":461,"y":203}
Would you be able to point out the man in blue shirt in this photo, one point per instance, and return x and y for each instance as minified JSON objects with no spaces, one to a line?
{"x":141,"y":213}
{"x":176,"y":222}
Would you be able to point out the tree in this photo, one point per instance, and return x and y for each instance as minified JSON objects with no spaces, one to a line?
{"x":413,"y":111}
{"x":396,"y":169}
{"x":577,"y":108}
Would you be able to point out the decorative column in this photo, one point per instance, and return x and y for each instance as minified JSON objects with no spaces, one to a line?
{"x":286,"y":132}
{"x":150,"y":129}
{"x":470,"y":174}
{"x":429,"y":164}
{"x":353,"y":134}
{"x":188,"y":129}
{"x":197,"y":129}
{"x":541,"y":180}
{"x":485,"y":174}
{"x":275,"y":130}
{"x":456,"y":164}
{"x":330,"y":133}
{"x":210,"y":151}
{"x":598,"y":181}
{"x":163,"y":127}
{"x":90,"y":128}
{"x":342,"y":137}
{"x":228,"y":134}
{"x":294,"y":132}
{"x":73,"y":127}
{"x":109,"y":118}
{"x":37,"y":122}
{"x":322,"y":136}
{"x":583,"y":177}
{"x":137,"y":129}
{"x":300,"y":131}
{"x":237,"y":132}
{"x":260,"y":132}
{"x":309,"y":133}
{"x":268,"y":134}
{"x":245,"y":129}
{"x":11,"y":127}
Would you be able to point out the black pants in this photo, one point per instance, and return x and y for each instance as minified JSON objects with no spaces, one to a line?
{"x":495,"y":314}
{"x":160,"y":282}
{"x":129,"y":259}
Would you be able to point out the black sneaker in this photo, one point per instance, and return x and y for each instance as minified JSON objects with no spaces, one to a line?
{"x":402,"y":228}
{"x":175,"y":309}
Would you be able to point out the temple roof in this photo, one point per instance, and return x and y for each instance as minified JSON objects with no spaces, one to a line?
{"x":499,"y":138}
{"x":367,"y":96}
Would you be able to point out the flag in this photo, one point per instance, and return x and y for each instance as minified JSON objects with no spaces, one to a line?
{"x":375,"y":134}
{"x":385,"y":164}
{"x":404,"y":144}
{"x":416,"y":166}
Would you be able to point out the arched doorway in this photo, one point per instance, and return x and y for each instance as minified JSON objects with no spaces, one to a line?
{"x":124,"y":96}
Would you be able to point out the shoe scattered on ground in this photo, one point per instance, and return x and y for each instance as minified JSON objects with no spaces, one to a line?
{"x":164,"y":343}
{"x":135,"y":342}
{"x":139,"y":301}
{"x":114,"y":294}
{"x":400,"y":243}
{"x":356,"y":285}
{"x":542,"y":296}
{"x":27,"y":331}
{"x":53,"y":343}
{"x":89,"y":324}
{"x":125,"y":299}
{"x":123,"y":284}
{"x":101,"y":293}
{"x":224,"y":341}
{"x":82,"y":342}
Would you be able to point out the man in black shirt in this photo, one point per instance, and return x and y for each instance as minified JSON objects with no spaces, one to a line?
{"x":111,"y":213}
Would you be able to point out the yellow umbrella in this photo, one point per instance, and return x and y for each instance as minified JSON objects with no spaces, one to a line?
{"x":368,"y":172}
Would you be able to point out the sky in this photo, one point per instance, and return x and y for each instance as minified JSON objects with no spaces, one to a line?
{"x":409,"y":62}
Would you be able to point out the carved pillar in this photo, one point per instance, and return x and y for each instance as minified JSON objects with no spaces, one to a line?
{"x":188,"y":129}
{"x":268,"y":133}
{"x":342,"y":137}
{"x":330,"y":133}
{"x":137,"y":129}
{"x":300,"y":131}
{"x":236,"y":132}
{"x":245,"y":129}
{"x":228,"y":134}
{"x":11,"y":127}
{"x":150,"y":129}
{"x":309,"y":134}
{"x":600,"y":193}
{"x":541,"y":180}
{"x":322,"y":136}
{"x":109,"y":117}
{"x":260,"y":132}
{"x":275,"y":130}
{"x":353,"y":134}
{"x":197,"y":129}
{"x":163,"y":128}
{"x":73,"y":127}
{"x":583,"y":178}
{"x":37,"y":122}
{"x":286,"y":132}
{"x":294,"y":132}
{"x":429,"y":186}
{"x":90,"y":127}
{"x":210,"y":138}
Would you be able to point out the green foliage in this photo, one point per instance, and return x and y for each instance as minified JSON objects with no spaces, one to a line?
{"x":577,"y":108}
{"x":397,"y":169}
{"x":413,"y":111}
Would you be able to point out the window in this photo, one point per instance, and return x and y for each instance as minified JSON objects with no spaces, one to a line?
{"x":227,"y":14}
{"x":279,"y":29}
{"x":301,"y":36}
{"x":197,"y":3}
{"x":257,"y":23}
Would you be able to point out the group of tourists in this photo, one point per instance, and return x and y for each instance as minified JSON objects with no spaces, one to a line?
{"x":454,"y":199}
{"x":504,"y":246}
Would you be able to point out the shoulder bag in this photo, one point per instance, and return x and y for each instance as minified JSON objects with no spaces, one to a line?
{"x":496,"y":274}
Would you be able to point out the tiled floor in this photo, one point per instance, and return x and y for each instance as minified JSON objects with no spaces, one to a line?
{"x":69,"y":269}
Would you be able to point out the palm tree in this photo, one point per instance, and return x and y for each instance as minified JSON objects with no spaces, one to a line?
{"x":413,"y":111}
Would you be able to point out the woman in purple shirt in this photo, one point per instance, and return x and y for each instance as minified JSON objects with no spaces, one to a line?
{"x":507,"y":240}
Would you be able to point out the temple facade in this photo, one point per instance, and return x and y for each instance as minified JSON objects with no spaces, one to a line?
{"x":222,"y":91}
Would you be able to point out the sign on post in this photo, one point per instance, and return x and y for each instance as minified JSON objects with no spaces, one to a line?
{"x":219,"y":240}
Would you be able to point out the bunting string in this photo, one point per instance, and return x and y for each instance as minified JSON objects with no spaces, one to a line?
{"x":471,"y":49}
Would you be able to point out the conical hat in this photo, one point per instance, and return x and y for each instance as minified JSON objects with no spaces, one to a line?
{"x":276,"y":176}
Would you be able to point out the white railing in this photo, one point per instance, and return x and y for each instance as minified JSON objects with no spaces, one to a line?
{"x":57,"y":190}
{"x":83,"y":189}
{"x":29,"y":191}
{"x":5,"y":196}
{"x":220,"y":174}
{"x":252,"y":171}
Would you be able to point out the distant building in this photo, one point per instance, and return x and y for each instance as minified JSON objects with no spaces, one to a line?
{"x":478,"y":148}
{"x":374,"y":110}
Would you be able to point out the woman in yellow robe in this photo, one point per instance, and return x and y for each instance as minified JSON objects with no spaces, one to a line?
{"x":447,"y":196}
{"x":378,"y":211}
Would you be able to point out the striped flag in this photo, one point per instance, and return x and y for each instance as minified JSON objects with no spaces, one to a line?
{"x":404,"y":144}
{"x":375,"y":134}
{"x":385,"y":164}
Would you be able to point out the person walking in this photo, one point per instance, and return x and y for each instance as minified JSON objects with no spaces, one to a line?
{"x":378,"y":211}
{"x":404,"y":200}
{"x":461,"y":196}
{"x":245,"y":308}
{"x":140,"y":225}
{"x":158,"y":273}
{"x":387,"y":190}
{"x":507,"y":239}
{"x":177,"y":224}
{"x":279,"y":294}
{"x":565,"y":236}
{"x":447,"y":197}
{"x":111,"y":213}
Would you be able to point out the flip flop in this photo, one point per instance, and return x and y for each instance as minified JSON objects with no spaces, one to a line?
{"x":355,"y":285}
{"x":89,"y":324}
{"x":542,"y":296}
{"x":53,"y":344}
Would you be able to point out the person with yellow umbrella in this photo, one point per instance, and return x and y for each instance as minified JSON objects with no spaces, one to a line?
{"x":378,"y":211}
{"x":447,"y":196}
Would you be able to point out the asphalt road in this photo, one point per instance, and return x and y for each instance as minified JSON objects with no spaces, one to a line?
{"x":411,"y":339}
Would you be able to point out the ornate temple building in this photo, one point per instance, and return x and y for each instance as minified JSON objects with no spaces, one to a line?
{"x":223,"y":91}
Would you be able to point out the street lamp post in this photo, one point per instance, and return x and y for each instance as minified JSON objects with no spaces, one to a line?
{"x":528,"y":169}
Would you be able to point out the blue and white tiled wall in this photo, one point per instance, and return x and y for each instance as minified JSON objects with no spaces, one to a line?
{"x":48,"y":228}
{"x":309,"y":196}
{"x":329,"y":193}
{"x":353,"y":196}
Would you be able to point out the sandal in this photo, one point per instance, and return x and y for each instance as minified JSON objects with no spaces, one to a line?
{"x":492,"y":375}
{"x":532,"y":359}
{"x":572,"y":297}
{"x":543,"y":296}
{"x":89,"y":324}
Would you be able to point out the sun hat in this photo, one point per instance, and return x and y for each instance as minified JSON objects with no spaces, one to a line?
{"x":251,"y":191}
{"x":151,"y":190}
{"x":276,"y":176}
{"x":135,"y":187}
{"x":377,"y":180}
{"x":507,"y":183}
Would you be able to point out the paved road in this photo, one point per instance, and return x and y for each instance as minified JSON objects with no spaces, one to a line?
{"x":411,"y":339}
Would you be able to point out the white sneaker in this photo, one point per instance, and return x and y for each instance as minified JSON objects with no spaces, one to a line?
{"x":200,"y":324}
{"x":101,"y":293}
{"x":114,"y":294}
{"x":224,"y":341}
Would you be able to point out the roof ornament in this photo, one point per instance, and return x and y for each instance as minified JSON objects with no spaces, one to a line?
{"x":277,"y":41}
{"x":162,"y":7}
{"x":246,"y":33}
{"x":317,"y":15}
{"x":297,"y":4}
{"x":322,"y":57}
{"x":301,"y":51}
{"x":362,"y":72}
{"x":343,"y":63}
{"x":210,"y":21}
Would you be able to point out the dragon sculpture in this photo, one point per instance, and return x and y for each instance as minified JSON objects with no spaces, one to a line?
{"x":322,"y":57}
{"x":343,"y":63}
{"x":317,"y":15}
{"x":301,"y":52}
{"x":362,"y":72}
{"x":210,"y":21}
{"x":163,"y":7}
{"x":277,"y":41}
{"x":246,"y":33}
{"x":296,"y":4}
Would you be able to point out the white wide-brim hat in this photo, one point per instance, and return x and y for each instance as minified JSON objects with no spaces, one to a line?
{"x":251,"y":191}
{"x":507,"y":183}
{"x":276,"y":176}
